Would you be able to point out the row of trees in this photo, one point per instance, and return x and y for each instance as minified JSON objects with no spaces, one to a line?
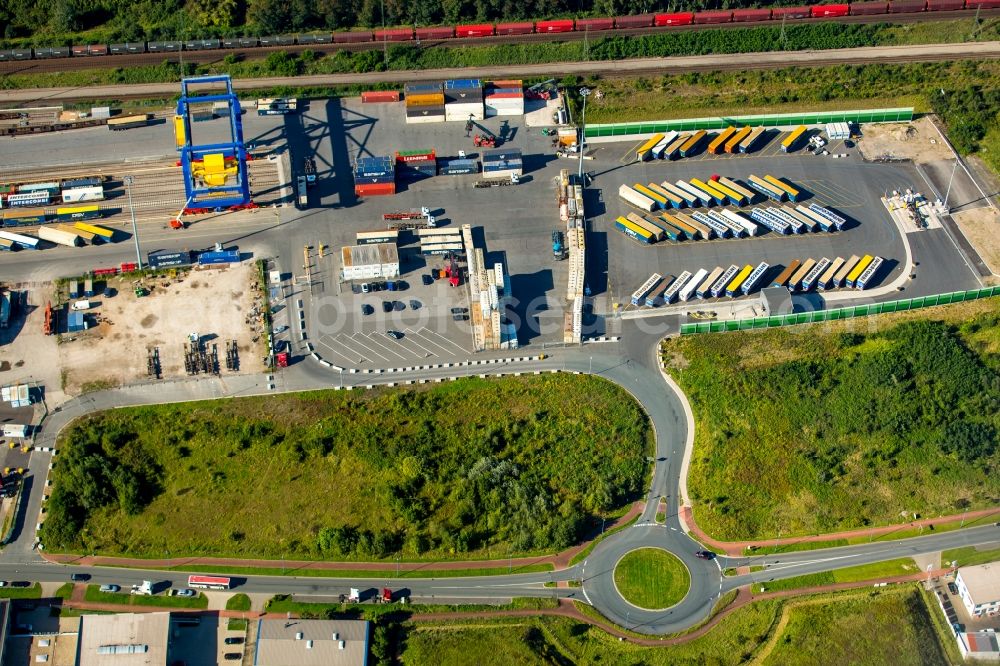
{"x":177,"y":19}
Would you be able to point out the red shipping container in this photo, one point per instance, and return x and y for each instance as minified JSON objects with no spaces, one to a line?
{"x":479,"y":30}
{"x":504,"y":96}
{"x":373,"y":96}
{"x":713,"y":17}
{"x":746,"y":15}
{"x":590,"y":25}
{"x":351,"y":37}
{"x":945,"y":5}
{"x":869,"y":8}
{"x":635,"y":21}
{"x":374,"y":189}
{"x":791,"y":12}
{"x":685,"y":18}
{"x":421,"y":157}
{"x":907,"y":6}
{"x":128,"y":267}
{"x":830,"y":11}
{"x":435,"y":33}
{"x":559,"y":25}
{"x":394,"y":35}
{"x":982,"y":4}
{"x":98,"y":49}
{"x":515,"y":28}
{"x":507,"y":83}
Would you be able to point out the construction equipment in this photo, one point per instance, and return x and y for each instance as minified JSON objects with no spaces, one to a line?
{"x":411,"y":219}
{"x":232,"y":356}
{"x":486,"y":139}
{"x":153,"y":368}
{"x":139,"y":289}
{"x":49,"y":320}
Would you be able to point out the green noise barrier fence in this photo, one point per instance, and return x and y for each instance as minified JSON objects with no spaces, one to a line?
{"x":817,"y":316}
{"x":626,"y":130}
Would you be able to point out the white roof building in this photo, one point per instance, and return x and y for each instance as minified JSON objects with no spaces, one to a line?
{"x":312,"y":643}
{"x":979,"y":588}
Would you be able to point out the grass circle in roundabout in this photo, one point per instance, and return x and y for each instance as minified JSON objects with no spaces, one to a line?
{"x":652,"y":578}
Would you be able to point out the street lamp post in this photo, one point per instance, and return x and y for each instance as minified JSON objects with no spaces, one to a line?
{"x":947,"y":208}
{"x":128,"y":180}
{"x":584,"y":93}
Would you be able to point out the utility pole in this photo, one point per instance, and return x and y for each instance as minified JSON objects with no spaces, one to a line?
{"x":584,"y":93}
{"x":385,"y":42}
{"x":128,"y":180}
{"x":947,"y":207}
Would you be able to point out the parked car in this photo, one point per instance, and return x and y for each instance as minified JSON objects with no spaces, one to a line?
{"x":427,"y":279}
{"x":367,"y":309}
{"x":186,"y":592}
{"x":460,"y":317}
{"x":459,"y":310}
{"x":280,"y":329}
{"x":953,"y":588}
{"x":365,"y":288}
{"x":280,"y":345}
{"x":705,"y":555}
{"x":233,"y":656}
{"x":414,"y":305}
{"x":395,"y":335}
{"x":398,"y":306}
{"x":234,"y":640}
{"x":386,"y":306}
{"x":3,"y":583}
{"x":79,"y":577}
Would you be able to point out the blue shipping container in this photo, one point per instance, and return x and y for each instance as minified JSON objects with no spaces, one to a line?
{"x":463,"y":83}
{"x":502,"y":154}
{"x":224,"y":257}
{"x":374,"y":180}
{"x":163,"y":259}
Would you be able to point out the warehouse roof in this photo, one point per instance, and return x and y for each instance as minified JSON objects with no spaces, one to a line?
{"x":982,"y":582}
{"x":124,"y":639}
{"x":368,"y":255}
{"x":312,"y":643}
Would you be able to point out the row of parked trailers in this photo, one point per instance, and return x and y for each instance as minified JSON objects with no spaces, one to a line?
{"x":717,"y":190}
{"x":75,"y":235}
{"x":824,"y":274}
{"x":483,"y":30}
{"x":72,"y":190}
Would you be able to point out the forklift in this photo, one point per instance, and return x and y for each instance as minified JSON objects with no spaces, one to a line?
{"x":485,"y":140}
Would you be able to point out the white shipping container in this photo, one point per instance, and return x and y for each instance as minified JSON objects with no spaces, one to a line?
{"x":424,"y":119}
{"x":505,"y":173}
{"x":59,"y":237}
{"x":750,"y":227}
{"x":636,"y":199}
{"x":692,"y":285}
{"x":83,"y":194}
{"x":102,"y":112}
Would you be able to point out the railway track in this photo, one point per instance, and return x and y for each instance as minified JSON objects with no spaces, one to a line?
{"x":215,"y":57}
{"x":611,"y":69}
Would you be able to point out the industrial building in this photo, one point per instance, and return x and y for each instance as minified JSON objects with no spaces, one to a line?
{"x":363,"y":262}
{"x":312,"y":642}
{"x":124,"y":639}
{"x":979,"y":588}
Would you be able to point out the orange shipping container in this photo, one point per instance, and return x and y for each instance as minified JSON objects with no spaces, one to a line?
{"x":373,"y":96}
{"x":425,"y":99}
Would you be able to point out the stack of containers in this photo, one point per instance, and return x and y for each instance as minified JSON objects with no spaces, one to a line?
{"x":424,"y":103}
{"x":463,"y":98}
{"x":502,"y":163}
{"x":505,"y":98}
{"x":457,"y":167}
{"x":374,"y":175}
{"x":414,"y":164}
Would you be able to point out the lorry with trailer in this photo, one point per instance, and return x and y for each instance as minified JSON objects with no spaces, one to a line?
{"x":558,"y":246}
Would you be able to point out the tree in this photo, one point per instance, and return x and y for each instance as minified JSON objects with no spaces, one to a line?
{"x":271,"y":16}
{"x":969,"y":440}
{"x":217,"y":13}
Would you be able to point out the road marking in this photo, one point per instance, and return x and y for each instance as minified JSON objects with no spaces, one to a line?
{"x":371,"y":337}
{"x":412,"y":337}
{"x":437,"y":336}
{"x":365,"y":349}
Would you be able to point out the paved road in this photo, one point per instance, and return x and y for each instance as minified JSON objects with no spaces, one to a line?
{"x":770,"y":60}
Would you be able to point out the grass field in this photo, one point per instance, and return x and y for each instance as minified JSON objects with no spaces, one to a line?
{"x":94,"y":594}
{"x":238,"y":602}
{"x":426,"y":474}
{"x":284,"y":603}
{"x":31,"y":592}
{"x":887,"y":569}
{"x":829,"y":427}
{"x":969,"y":555}
{"x":652,"y":578}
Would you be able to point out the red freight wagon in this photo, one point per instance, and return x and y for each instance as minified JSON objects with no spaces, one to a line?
{"x":713,"y":17}
{"x":394,"y":35}
{"x":791,"y":12}
{"x":982,"y":4}
{"x":589,"y":25}
{"x":944,"y":5}
{"x":80,"y":51}
{"x":515,"y":28}
{"x":373,"y":96}
{"x":351,"y":37}
{"x":636,"y":21}
{"x":480,"y":30}
{"x":869,"y":8}
{"x":685,"y":18}
{"x":829,"y":11}
{"x":98,"y":49}
{"x":559,"y":25}
{"x":907,"y":6}
{"x":744,"y":15}
{"x":435,"y":33}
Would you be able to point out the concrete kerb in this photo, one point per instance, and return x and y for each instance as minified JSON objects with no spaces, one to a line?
{"x":688,"y":440}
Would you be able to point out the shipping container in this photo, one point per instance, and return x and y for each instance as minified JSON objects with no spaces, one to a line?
{"x":682,"y":18}
{"x":784,"y":276}
{"x":737,"y":218}
{"x":673,"y":201}
{"x":796,"y":280}
{"x":374,"y":189}
{"x":382,"y":236}
{"x":640,"y":294}
{"x":720,"y":140}
{"x":841,"y":274}
{"x":660,"y":200}
{"x":718,"y":192}
{"x":869,"y":8}
{"x":631,"y":230}
{"x":86,"y":181}
{"x":736,"y":187}
{"x":692,"y":145}
{"x":792,"y":191}
{"x":394,"y":35}
{"x":835,"y":219}
{"x":23,"y":241}
{"x":688,"y":291}
{"x":748,"y":144}
{"x":653,"y":297}
{"x":704,"y":288}
{"x":634,"y":21}
{"x":685,"y":196}
{"x":71,"y":213}
{"x":755,"y":276}
{"x":661,"y":146}
{"x":719,"y":286}
{"x":762,"y":216}
{"x":377,"y":96}
{"x":744,"y":15}
{"x":558,"y":25}
{"x":129,"y":122}
{"x":691,"y":232}
{"x":735,"y":228}
{"x":424,"y":99}
{"x":659,"y":232}
{"x":720,"y":229}
{"x":219,"y":257}
{"x":103,"y":234}
{"x":713,"y":17}
{"x":809,"y":281}
{"x":826,"y":279}
{"x":805,"y":220}
{"x":695,"y":192}
{"x":778,"y":13}
{"x":823,"y":222}
{"x":703,"y":230}
{"x":21,"y":199}
{"x":516,"y":28}
{"x":81,"y":194}
{"x":734,"y":285}
{"x":858,"y":269}
{"x":59,"y":236}
{"x":868,"y":275}
{"x":675,"y":287}
{"x":594,"y":24}
{"x":830,"y":11}
{"x":672,"y":151}
{"x":638,"y":200}
{"x":788,"y":145}
{"x":766,"y":188}
{"x":23,"y":217}
{"x":435,"y":33}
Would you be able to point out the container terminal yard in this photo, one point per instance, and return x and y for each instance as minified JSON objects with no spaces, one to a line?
{"x":446,"y":229}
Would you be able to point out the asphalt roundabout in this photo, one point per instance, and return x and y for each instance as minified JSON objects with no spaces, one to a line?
{"x":652,"y":578}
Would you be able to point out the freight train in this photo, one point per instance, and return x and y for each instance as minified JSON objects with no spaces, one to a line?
{"x":486,"y":30}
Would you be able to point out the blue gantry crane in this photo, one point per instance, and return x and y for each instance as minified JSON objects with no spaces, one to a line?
{"x":215,"y":174}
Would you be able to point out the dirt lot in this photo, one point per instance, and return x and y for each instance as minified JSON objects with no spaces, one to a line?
{"x":981,"y":227}
{"x":918,"y":141}
{"x":217,"y":303}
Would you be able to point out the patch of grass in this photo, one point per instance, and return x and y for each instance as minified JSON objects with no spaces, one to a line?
{"x":94,"y":594}
{"x":892,"y":629}
{"x":367,"y":573}
{"x":437,"y":472}
{"x":661,"y":516}
{"x":969,"y":556}
{"x":516,"y":644}
{"x":238,"y":602}
{"x":836,"y":426}
{"x":65,"y":591}
{"x":794,"y":547}
{"x":876,"y":570}
{"x":236,"y":624}
{"x":31,"y":592}
{"x":284,"y":603}
{"x":652,"y":578}
{"x":583,"y":554}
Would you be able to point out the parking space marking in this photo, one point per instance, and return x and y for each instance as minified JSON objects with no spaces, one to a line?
{"x":834,"y":194}
{"x":422,"y":333}
{"x":361,"y":356}
{"x":373,"y":340}
{"x":368,"y":350}
{"x":348,"y":360}
{"x":408,"y":339}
